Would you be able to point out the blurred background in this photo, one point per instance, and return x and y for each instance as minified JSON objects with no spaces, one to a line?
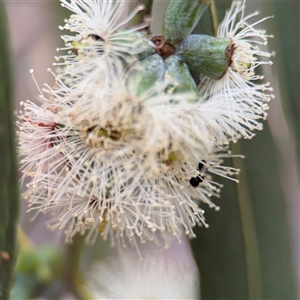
{"x":251,"y":250}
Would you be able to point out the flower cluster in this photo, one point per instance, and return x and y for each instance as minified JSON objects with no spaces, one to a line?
{"x":125,"y":144}
{"x":245,"y":101}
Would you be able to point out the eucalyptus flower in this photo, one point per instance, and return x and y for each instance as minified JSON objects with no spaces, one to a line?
{"x":119,"y":162}
{"x":242,"y":97}
{"x":124,"y":144}
{"x":154,"y":277}
{"x":229,"y":114}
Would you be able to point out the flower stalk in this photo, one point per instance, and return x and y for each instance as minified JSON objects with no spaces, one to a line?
{"x":9,"y":195}
{"x":72,"y":273}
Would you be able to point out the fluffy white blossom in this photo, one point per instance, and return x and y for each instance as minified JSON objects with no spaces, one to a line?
{"x":106,"y":157}
{"x":239,"y":99}
{"x":111,"y":161}
{"x":127,"y":277}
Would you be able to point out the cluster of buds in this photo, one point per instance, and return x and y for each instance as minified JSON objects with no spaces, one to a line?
{"x":127,"y":143}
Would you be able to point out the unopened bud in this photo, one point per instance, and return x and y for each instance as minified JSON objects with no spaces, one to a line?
{"x":179,"y":75}
{"x":206,"y":54}
{"x":181,"y":17}
{"x":146,"y":73}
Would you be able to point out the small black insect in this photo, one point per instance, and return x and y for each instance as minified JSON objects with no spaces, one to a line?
{"x":202,"y":166}
{"x":195,"y":181}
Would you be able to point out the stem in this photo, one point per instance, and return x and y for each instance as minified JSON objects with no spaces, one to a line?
{"x":214,"y":16}
{"x":140,"y":16}
{"x":72,"y":273}
{"x":9,"y":190}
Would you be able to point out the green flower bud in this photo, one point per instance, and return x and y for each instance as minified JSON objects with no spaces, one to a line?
{"x":178,"y":72}
{"x":206,"y":54}
{"x":143,"y":47}
{"x":146,"y":73}
{"x":181,"y":17}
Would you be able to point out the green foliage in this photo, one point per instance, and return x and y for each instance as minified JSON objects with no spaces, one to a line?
{"x":268,"y":204}
{"x":286,"y":45}
{"x":36,"y":269}
{"x":211,"y":17}
{"x":9,"y":196}
{"x":245,"y":253}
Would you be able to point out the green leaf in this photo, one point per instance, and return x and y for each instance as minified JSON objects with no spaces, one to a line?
{"x":286,"y":61}
{"x":181,"y":17}
{"x":271,"y":224}
{"x":36,"y":268}
{"x":245,"y":254}
{"x":208,"y":23}
{"x":9,"y":196}
{"x":25,"y":286}
{"x":219,"y":249}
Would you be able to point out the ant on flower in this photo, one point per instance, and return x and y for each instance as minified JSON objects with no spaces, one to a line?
{"x":202,"y":168}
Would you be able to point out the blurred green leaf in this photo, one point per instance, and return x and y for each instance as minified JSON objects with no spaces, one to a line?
{"x":245,"y":254}
{"x":270,"y":215}
{"x":9,"y":196}
{"x":36,"y":268}
{"x":212,"y":17}
{"x":219,"y":250}
{"x":287,"y":59}
{"x":25,"y":287}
